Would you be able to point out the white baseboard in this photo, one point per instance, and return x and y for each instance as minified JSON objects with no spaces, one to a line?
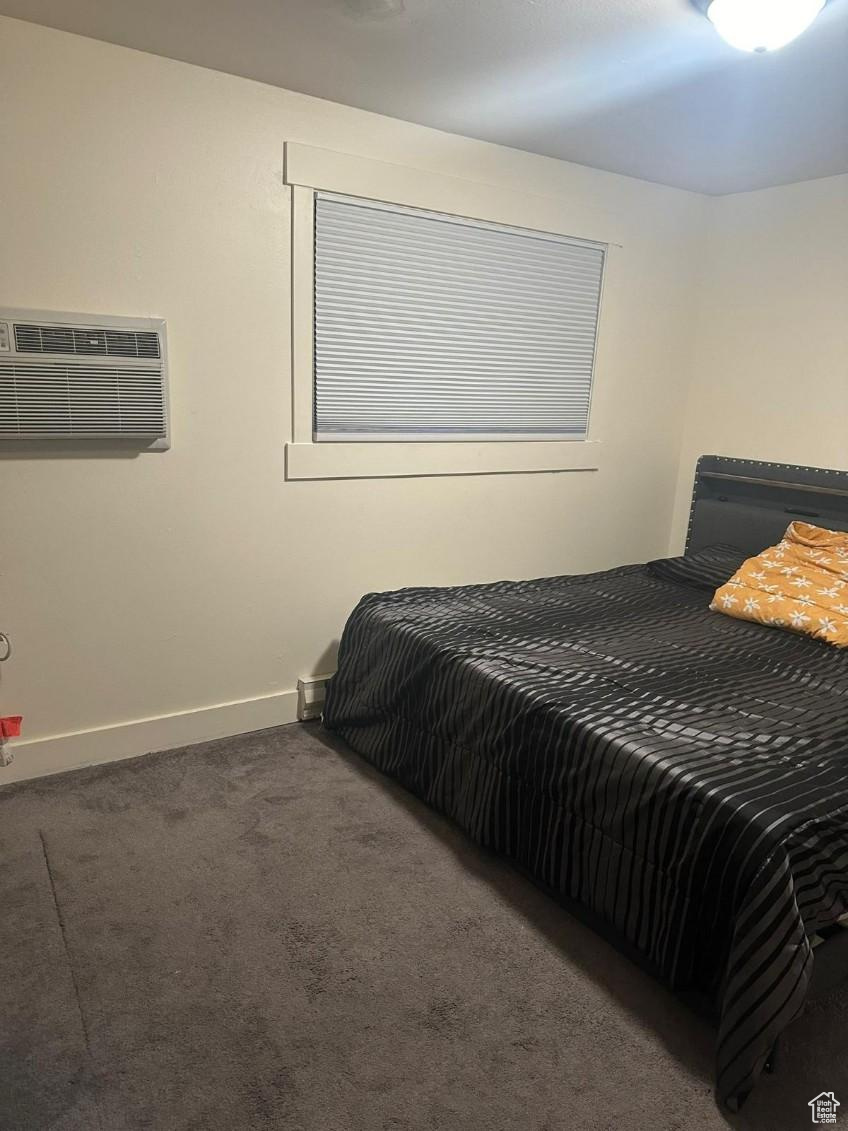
{"x":36,"y":757}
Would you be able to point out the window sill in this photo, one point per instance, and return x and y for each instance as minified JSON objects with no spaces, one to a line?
{"x":391,"y":460}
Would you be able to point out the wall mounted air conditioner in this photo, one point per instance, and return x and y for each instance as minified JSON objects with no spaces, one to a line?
{"x":83,"y":377}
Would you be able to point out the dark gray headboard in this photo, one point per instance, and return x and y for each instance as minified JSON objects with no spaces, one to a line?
{"x":749,"y":503}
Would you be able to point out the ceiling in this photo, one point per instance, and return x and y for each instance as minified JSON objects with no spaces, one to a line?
{"x":641,"y":87}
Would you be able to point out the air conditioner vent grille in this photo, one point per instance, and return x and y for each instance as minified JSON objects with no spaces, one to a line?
{"x":82,"y":377}
{"x":87,"y":341}
{"x":73,"y":399}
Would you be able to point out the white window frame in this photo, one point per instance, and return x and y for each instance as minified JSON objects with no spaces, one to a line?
{"x":309,"y":169}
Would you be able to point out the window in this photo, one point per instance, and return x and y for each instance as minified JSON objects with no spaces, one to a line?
{"x":443,"y":326}
{"x":431,"y":327}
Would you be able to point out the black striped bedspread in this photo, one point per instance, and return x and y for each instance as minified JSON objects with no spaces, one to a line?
{"x":681,"y":774}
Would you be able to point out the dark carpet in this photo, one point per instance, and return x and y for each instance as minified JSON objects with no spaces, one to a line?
{"x":262,"y":932}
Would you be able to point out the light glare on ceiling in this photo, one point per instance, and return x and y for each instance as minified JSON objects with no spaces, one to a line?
{"x":762,"y":25}
{"x":374,"y":9}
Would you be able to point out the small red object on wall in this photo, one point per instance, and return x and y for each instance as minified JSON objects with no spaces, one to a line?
{"x":10,"y":726}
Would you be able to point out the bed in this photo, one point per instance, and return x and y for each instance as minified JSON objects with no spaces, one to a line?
{"x":679,"y":775}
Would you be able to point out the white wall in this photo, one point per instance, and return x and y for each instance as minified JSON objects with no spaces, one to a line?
{"x":148,"y":587}
{"x":770,"y":376}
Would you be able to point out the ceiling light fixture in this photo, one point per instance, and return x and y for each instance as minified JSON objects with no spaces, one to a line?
{"x":760,"y":25}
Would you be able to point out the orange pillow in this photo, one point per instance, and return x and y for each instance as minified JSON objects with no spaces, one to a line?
{"x":800,"y":584}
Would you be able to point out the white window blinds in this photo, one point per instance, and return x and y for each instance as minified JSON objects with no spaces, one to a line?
{"x":433,"y":327}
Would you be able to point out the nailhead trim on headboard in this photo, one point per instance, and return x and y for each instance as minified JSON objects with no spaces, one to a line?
{"x":841,"y":476}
